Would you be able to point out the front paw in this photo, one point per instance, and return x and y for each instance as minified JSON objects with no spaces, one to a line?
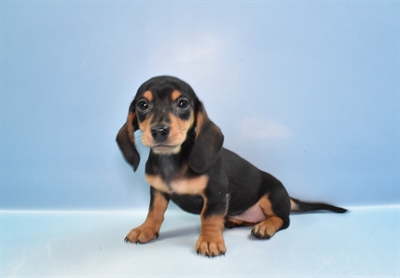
{"x":142,"y":234}
{"x":211,"y":245}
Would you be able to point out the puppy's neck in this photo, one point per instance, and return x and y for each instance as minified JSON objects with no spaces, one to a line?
{"x":168,"y":166}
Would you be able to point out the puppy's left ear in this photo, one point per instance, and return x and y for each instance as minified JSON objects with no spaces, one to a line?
{"x":208,"y":142}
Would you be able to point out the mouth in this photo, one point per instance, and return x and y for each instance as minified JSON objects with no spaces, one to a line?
{"x":166,"y":149}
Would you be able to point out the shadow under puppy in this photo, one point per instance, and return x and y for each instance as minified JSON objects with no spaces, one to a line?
{"x":188,"y":165}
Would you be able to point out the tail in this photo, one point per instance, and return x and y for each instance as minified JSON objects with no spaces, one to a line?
{"x":299,"y":206}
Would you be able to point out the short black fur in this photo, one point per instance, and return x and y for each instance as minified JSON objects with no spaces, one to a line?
{"x":231,"y":186}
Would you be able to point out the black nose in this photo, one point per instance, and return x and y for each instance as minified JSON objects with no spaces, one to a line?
{"x":160,"y":132}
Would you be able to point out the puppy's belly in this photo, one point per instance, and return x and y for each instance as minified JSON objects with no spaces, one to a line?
{"x":254,"y":214}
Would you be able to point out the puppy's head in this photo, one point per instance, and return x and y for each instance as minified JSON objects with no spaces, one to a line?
{"x":165,"y":109}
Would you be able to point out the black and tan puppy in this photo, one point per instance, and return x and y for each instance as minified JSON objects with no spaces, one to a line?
{"x":188,"y":165}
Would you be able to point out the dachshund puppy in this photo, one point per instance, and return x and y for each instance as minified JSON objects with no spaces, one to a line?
{"x":188,"y":165}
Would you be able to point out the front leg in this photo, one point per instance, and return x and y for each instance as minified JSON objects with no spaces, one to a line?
{"x":211,"y":241}
{"x":150,"y":228}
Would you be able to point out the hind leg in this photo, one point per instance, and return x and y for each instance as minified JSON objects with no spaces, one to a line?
{"x":267,"y":228}
{"x":231,"y":222}
{"x":277,"y":218}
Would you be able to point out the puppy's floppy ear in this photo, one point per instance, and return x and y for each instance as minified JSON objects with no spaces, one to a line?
{"x":208,"y":142}
{"x":126,"y":140}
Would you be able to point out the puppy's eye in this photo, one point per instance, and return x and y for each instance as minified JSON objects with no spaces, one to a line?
{"x":142,"y":105}
{"x":183,"y":103}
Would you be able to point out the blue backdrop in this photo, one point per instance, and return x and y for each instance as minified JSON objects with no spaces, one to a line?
{"x":306,"y":90}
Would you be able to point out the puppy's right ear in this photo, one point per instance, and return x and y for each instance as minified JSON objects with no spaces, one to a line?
{"x":126,"y":140}
{"x":208,"y":142}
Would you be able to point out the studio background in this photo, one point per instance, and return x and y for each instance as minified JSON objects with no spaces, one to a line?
{"x":308,"y":91}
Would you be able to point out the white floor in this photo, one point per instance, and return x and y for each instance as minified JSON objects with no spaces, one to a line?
{"x":363,"y":242}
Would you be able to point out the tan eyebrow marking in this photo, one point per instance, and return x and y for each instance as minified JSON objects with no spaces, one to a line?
{"x":148,"y":95}
{"x":175,"y":95}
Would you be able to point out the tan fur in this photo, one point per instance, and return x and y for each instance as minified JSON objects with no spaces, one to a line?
{"x":157,"y":182}
{"x":175,"y":95}
{"x":293,"y":206}
{"x":148,"y":95}
{"x":269,"y":227}
{"x":262,"y":216}
{"x":237,"y":222}
{"x":273,"y":223}
{"x":179,"y":129}
{"x":178,"y":132}
{"x":190,"y":186}
{"x":129,"y":126}
{"x":199,"y":123}
{"x":211,"y":241}
{"x":145,"y":127}
{"x":150,"y":228}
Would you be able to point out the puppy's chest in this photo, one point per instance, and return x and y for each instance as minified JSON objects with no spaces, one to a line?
{"x":180,"y":185}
